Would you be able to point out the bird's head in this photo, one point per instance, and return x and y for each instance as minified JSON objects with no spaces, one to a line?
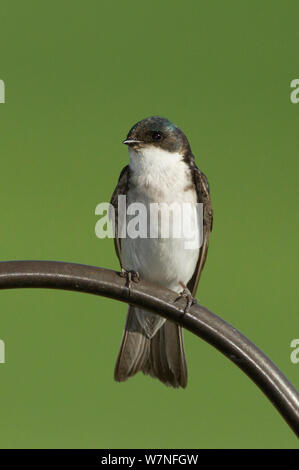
{"x":158,"y":133}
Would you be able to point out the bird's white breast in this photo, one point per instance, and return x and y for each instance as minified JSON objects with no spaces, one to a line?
{"x":161,"y":177}
{"x":159,"y":174}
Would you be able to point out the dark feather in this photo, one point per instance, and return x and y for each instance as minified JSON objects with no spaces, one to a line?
{"x":134,"y":350}
{"x":167,"y":357}
{"x":203,"y":196}
{"x":121,"y":189}
{"x":162,"y":356}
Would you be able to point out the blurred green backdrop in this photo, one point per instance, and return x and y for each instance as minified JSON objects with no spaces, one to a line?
{"x":78,"y":75}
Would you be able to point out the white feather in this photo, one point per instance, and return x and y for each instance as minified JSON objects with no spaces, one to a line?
{"x":158,"y":176}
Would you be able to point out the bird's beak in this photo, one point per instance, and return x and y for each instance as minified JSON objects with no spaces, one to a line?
{"x":132,"y":141}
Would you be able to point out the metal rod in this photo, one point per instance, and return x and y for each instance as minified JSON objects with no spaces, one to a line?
{"x":200,"y":321}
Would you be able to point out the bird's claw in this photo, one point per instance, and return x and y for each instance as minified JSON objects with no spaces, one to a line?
{"x":130,"y":276}
{"x":190,"y":299}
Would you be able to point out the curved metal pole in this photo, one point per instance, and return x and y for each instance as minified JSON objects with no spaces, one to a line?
{"x":200,"y":321}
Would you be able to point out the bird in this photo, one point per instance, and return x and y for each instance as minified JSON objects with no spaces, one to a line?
{"x":161,"y":171}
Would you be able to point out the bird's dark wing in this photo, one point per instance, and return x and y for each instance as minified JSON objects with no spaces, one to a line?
{"x":121,"y":189}
{"x":203,"y":196}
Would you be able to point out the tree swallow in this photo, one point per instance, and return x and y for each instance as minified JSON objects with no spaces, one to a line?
{"x":161,"y":170}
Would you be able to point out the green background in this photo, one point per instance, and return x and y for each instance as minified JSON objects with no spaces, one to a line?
{"x":78,"y":75}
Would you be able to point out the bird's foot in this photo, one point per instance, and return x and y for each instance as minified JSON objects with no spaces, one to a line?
{"x":130,"y":276}
{"x":190,"y":300}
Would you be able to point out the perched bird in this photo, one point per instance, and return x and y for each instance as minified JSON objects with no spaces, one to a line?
{"x":161,"y":170}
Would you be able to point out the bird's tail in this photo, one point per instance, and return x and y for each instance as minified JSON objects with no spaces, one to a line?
{"x":161,"y":356}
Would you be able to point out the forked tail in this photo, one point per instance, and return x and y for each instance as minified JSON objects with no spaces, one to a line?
{"x":161,"y":356}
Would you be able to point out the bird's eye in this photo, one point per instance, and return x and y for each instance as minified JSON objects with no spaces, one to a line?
{"x":156,"y":136}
